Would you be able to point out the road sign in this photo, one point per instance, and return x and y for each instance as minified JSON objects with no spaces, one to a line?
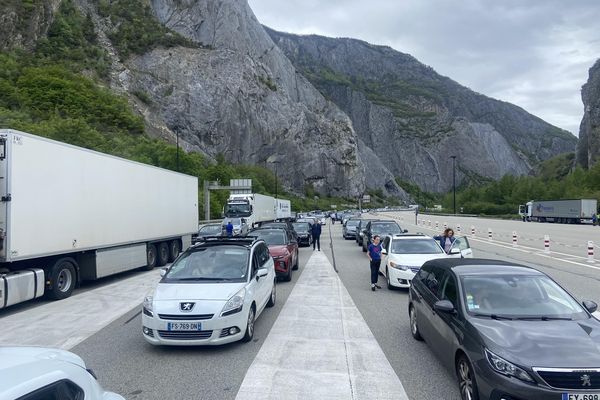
{"x":366,"y":198}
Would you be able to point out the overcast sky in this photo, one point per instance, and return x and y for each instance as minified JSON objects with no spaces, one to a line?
{"x":533,"y":53}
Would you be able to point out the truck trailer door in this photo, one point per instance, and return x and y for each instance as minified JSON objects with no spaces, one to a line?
{"x":4,"y":194}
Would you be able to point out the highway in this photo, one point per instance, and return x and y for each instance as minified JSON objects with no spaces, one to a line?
{"x":126,"y":364}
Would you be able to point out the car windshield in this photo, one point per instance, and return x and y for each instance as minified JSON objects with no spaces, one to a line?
{"x":210,"y":230}
{"x":390,"y":228}
{"x":416,"y":246}
{"x":271,"y":237}
{"x":518,"y":297}
{"x":301,"y":226}
{"x":212,"y":263}
{"x":242,"y":209}
{"x":352,"y":223}
{"x":234,"y":221}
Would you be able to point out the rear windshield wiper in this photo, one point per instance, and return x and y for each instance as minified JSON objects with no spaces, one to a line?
{"x":545,"y":318}
{"x":494,"y":316}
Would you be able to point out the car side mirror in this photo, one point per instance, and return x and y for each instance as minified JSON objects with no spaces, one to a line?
{"x":384,"y":251}
{"x":163,"y":272}
{"x":444,"y":306}
{"x":405,"y":231}
{"x":590,"y":306}
{"x":262,"y":273}
{"x":454,"y":251}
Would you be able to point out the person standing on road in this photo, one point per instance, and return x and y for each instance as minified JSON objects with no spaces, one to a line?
{"x":229,"y":229}
{"x":315,"y":230}
{"x":446,"y":239}
{"x":595,"y":219}
{"x":374,"y":254}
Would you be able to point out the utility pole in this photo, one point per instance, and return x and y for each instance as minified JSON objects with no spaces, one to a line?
{"x":454,"y":182}
{"x":177,"y":157}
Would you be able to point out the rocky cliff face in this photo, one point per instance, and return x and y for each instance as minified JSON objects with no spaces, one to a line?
{"x":413,"y":119}
{"x":240,"y":96}
{"x":22,"y":24}
{"x":588,"y":148}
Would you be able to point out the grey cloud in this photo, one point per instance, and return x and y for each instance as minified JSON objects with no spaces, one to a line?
{"x":535,"y":54}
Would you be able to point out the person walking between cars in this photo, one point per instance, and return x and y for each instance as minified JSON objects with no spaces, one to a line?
{"x":446,"y":239}
{"x":595,"y":219}
{"x":316,"y":235}
{"x":374,"y":254}
{"x":229,"y":229}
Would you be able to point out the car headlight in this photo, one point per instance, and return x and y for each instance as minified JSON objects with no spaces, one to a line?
{"x":147,"y":307}
{"x":400,"y":267}
{"x":504,"y":367}
{"x":234,"y":304}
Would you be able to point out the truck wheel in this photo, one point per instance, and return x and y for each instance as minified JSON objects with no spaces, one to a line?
{"x":62,"y":279}
{"x":163,"y":254}
{"x":152,"y":257}
{"x":174,"y":250}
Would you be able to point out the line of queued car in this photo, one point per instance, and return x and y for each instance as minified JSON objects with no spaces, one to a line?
{"x":507,"y":331}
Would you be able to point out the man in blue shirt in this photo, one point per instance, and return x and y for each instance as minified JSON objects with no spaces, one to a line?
{"x":374,"y":254}
{"x":229,"y":229}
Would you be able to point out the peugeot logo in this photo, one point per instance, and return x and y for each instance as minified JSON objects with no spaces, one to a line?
{"x":585,"y":380}
{"x":189,"y":305}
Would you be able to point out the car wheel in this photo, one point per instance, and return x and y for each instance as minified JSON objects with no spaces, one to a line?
{"x":297,"y":262}
{"x":389,"y":283}
{"x":174,"y":250}
{"x":288,"y":276}
{"x":414,"y":328}
{"x":273,"y":297}
{"x":249,"y":326}
{"x":466,"y":379}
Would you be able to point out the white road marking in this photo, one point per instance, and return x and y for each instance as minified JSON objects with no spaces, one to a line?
{"x":320,"y":347}
{"x":66,"y":323}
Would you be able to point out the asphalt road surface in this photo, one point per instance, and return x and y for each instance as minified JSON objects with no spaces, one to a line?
{"x":126,"y":364}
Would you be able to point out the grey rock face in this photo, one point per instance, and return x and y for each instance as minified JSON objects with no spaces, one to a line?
{"x":414,"y":119}
{"x":588,"y":148}
{"x":244,"y":99}
{"x":21,"y":26}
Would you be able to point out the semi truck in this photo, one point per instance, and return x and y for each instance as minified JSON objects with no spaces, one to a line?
{"x":69,"y":214}
{"x":253,"y":207}
{"x":561,"y":211}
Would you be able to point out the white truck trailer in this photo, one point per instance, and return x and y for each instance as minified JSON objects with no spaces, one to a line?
{"x":283,"y":209}
{"x":255,"y":208}
{"x":69,"y":214}
{"x":561,"y":211}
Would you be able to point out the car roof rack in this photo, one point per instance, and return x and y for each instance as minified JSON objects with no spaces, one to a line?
{"x":248,"y":239}
{"x":417,"y":234}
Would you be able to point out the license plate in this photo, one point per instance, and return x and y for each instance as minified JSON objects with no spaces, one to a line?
{"x":579,"y":396}
{"x":184,"y":326}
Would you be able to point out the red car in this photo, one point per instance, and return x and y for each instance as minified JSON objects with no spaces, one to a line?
{"x":283,"y":248}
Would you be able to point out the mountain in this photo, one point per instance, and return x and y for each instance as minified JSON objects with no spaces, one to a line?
{"x":588,"y":148}
{"x":335,"y":116}
{"x":414,"y":119}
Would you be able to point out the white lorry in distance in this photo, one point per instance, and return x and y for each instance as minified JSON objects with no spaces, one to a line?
{"x":561,"y":211}
{"x":253,"y":207}
{"x":69,"y":214}
{"x":283,"y":209}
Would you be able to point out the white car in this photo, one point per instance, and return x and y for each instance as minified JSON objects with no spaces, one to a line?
{"x":403,"y":255}
{"x":211,"y":294}
{"x":37,"y":373}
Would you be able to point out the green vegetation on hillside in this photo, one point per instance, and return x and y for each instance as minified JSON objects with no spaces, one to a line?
{"x":136,"y":30}
{"x":554,"y":181}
